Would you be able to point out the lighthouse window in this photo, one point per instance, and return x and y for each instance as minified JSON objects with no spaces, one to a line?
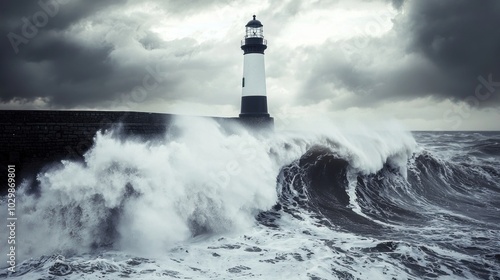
{"x":255,"y":32}
{"x":243,"y":82}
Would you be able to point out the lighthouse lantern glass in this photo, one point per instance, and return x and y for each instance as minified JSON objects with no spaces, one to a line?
{"x":255,"y":32}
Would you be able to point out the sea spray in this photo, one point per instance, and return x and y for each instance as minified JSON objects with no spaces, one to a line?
{"x":438,"y":221}
{"x":145,"y":196}
{"x":201,"y":178}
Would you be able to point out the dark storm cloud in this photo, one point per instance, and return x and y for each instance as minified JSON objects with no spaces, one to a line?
{"x":448,"y":49}
{"x":61,"y":12}
{"x":39,"y":60}
{"x":461,"y":40}
{"x":46,"y":64}
{"x":89,"y":54}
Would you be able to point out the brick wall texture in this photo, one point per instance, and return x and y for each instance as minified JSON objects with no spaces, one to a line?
{"x":33,"y":139}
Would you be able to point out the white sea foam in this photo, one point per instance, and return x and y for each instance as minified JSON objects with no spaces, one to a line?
{"x":199,"y":179}
{"x":157,"y":195}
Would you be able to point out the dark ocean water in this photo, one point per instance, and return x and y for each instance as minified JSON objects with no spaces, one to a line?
{"x":329,"y":203}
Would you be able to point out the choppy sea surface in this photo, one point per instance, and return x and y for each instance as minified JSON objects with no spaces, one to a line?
{"x":208,"y":202}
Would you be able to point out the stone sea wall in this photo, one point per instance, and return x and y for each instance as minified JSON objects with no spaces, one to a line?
{"x":33,"y":139}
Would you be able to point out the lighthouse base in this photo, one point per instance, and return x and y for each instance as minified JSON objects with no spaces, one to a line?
{"x":254,"y":113}
{"x":254,"y":106}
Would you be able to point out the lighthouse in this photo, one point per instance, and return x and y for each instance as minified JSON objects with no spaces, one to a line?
{"x":254,"y":96}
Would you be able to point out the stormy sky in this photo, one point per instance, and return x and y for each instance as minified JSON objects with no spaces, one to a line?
{"x":429,"y":64}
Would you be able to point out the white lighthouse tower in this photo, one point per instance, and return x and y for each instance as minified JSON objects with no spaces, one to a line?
{"x":254,"y":99}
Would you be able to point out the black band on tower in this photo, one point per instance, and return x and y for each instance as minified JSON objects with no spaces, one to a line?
{"x":254,"y":45}
{"x":254,"y":106}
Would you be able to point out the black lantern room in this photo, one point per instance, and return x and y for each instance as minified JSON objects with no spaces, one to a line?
{"x":254,"y":41}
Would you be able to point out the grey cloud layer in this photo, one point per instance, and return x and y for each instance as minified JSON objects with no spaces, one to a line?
{"x":462,"y":40}
{"x":436,"y":48}
{"x":40,"y":59}
{"x":65,"y":67}
{"x":447,"y":49}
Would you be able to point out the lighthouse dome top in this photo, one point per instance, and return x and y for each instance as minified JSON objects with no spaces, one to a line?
{"x":254,"y":23}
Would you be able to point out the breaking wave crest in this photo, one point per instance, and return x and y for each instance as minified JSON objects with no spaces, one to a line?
{"x":323,"y":200}
{"x":145,"y":196}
